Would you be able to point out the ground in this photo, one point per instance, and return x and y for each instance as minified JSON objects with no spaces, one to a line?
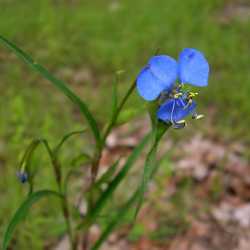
{"x":201,"y":193}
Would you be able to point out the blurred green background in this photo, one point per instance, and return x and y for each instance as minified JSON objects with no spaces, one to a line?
{"x":85,"y":43}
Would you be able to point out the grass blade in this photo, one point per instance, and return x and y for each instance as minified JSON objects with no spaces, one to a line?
{"x":66,"y":137}
{"x":59,"y":84}
{"x":23,"y":211}
{"x":121,"y":213}
{"x":119,"y":216}
{"x":115,"y":182}
{"x":159,"y":130}
{"x":107,"y":175}
{"x":147,"y":172}
{"x":119,"y":177}
{"x":105,"y":178}
{"x":115,"y":221}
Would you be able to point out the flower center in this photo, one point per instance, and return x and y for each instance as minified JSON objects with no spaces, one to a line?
{"x":185,"y":98}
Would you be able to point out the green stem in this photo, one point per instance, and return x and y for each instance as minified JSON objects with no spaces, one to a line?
{"x":118,"y":110}
{"x":67,"y":219}
{"x":64,"y":204}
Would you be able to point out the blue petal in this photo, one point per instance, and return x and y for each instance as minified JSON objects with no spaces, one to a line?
{"x":148,"y":86}
{"x":165,"y":68}
{"x":193,"y":68}
{"x":174,"y":110}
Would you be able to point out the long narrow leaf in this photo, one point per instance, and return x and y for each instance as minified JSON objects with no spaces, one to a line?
{"x":107,"y":175}
{"x":105,"y":178}
{"x":23,"y":211}
{"x":66,"y":137}
{"x":148,"y":169}
{"x":115,"y":221}
{"x":58,"y":84}
{"x":120,"y":176}
{"x":159,"y":130}
{"x":121,"y":213}
{"x":116,"y":181}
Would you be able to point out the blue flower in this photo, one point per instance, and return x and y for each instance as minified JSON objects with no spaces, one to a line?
{"x":173,"y":110}
{"x":158,"y":79}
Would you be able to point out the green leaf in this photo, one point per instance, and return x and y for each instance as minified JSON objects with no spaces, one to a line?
{"x":105,"y":178}
{"x":93,"y":213}
{"x":23,"y":211}
{"x":66,"y":137}
{"x":121,"y":213}
{"x":115,"y":221}
{"x":59,"y":84}
{"x":159,"y":129}
{"x":150,"y":168}
{"x":107,"y":175}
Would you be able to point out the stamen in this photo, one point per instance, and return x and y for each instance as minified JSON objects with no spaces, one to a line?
{"x":172,"y":112}
{"x":190,"y":101}
{"x":177,"y":95}
{"x":180,"y":124}
{"x":197,"y":116}
{"x":192,"y":94}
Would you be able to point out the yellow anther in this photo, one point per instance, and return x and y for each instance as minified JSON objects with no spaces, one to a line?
{"x":199,"y":117}
{"x":192,"y":94}
{"x":181,"y":122}
{"x":178,"y":95}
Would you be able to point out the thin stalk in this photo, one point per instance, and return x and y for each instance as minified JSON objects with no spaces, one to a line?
{"x":64,"y":204}
{"x":118,"y":110}
{"x":67,"y":219}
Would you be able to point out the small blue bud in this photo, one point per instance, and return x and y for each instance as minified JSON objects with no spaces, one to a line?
{"x":22,"y":176}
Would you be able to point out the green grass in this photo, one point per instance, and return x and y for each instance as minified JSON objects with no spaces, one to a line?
{"x":101,"y":37}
